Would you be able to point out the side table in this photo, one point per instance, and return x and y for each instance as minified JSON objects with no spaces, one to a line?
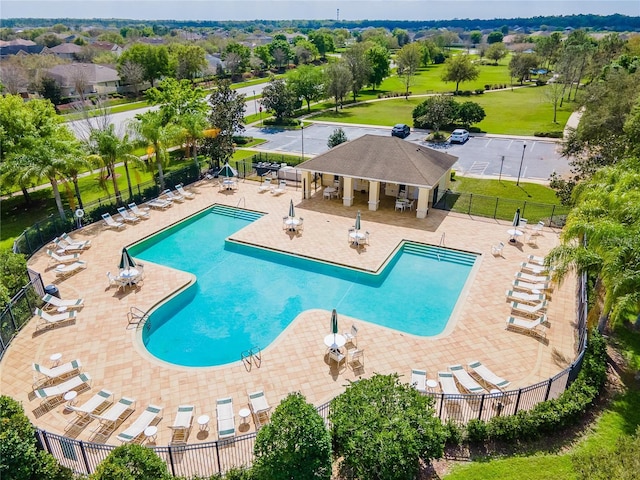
{"x":244,"y":413}
{"x":203,"y":421}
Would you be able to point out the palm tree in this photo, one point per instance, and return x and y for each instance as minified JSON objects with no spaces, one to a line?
{"x":193,"y":126}
{"x":72,"y":170}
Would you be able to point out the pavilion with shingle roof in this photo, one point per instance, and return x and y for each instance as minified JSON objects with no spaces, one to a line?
{"x":382,"y":166}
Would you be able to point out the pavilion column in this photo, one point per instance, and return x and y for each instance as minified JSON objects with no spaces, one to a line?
{"x":347,"y":191}
{"x":423,"y":202}
{"x":374,"y":195}
{"x":306,"y":182}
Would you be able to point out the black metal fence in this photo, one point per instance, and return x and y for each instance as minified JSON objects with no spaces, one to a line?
{"x":503,"y":208}
{"x":20,"y":310}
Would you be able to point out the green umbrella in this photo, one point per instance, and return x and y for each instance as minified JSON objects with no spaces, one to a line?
{"x":126,"y":261}
{"x":227,"y":171}
{"x":292,"y":212}
{"x":358,"y":221}
{"x":334,"y":321}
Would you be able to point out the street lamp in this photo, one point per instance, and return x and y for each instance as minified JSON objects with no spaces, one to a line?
{"x":302,"y":130}
{"x":524,"y":147}
{"x":255,"y":102}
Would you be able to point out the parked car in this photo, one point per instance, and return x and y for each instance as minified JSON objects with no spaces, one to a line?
{"x":400,"y":130}
{"x":459,"y":135}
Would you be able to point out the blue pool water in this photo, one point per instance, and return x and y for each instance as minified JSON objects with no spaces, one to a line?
{"x":246,"y":296}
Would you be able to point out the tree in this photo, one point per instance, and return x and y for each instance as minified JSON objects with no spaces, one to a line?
{"x":262,"y":52}
{"x":280,"y":51}
{"x":240,"y":56}
{"x":475,"y":37}
{"x":154,"y":60}
{"x":470,"y":113}
{"x":402,"y":36}
{"x":133,"y":74}
{"x":132,"y":462}
{"x":496,"y":52}
{"x":495,"y":37}
{"x":305,"y":52}
{"x":323,"y":42}
{"x":548,"y":48}
{"x":295,"y":444}
{"x":460,"y":69}
{"x":13,"y":275}
{"x":408,"y":61}
{"x":521,"y":64}
{"x":553,"y":94}
{"x":279,"y":98}
{"x":379,"y":60}
{"x":177,"y":98}
{"x":307,"y":82}
{"x":336,"y":138}
{"x":338,"y":81}
{"x":13,"y":78}
{"x":400,"y":429}
{"x":227,"y":115}
{"x":435,"y":112}
{"x":190,"y":60}
{"x":356,"y":59}
{"x":50,"y":89}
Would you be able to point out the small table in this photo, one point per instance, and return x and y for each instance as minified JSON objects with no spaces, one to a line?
{"x":535,"y":291}
{"x":203,"y":421}
{"x":55,"y":359}
{"x":61,"y":309}
{"x":330,"y":192}
{"x":129,"y":275}
{"x":515,"y":233}
{"x":244,"y":415}
{"x":70,"y":397}
{"x":151,"y":433}
{"x":335,"y":340}
{"x":228,"y":184}
{"x":357,"y":237}
{"x":431,"y":385}
{"x":292,"y":223}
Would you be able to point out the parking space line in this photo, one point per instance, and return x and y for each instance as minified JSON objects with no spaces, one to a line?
{"x":478,"y":168}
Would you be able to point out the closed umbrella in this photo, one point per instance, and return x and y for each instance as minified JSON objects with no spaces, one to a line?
{"x":334,"y":321}
{"x":126,"y":261}
{"x":292,"y":212}
{"x":227,"y":171}
{"x":516,"y":218}
{"x":357,"y":226}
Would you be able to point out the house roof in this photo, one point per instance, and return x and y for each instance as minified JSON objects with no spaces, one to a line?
{"x":66,"y":48}
{"x":383,"y":159}
{"x":93,"y":73}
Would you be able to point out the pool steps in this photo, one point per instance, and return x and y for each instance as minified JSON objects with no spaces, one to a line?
{"x":236,"y":212}
{"x":440,"y":254}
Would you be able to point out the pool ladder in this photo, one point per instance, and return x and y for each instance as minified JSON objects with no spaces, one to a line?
{"x":440,"y":245}
{"x":251,"y":357}
{"x":135,"y":316}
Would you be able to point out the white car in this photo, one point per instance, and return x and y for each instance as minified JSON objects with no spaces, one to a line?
{"x":459,"y":136}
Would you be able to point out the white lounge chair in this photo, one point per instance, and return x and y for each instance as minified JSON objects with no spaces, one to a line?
{"x":113,"y":417}
{"x":497,"y":249}
{"x":265,"y":186}
{"x":55,"y":258}
{"x":529,"y":309}
{"x":95,"y":405}
{"x":180,"y":189}
{"x":530,"y":287}
{"x":530,"y":327}
{"x":159,"y":203}
{"x":140,"y":212}
{"x":226,"y":421}
{"x":182,"y":424}
{"x":419,"y":380}
{"x":536,"y":259}
{"x":532,"y":278}
{"x":60,"y":244}
{"x":260,"y":408}
{"x":447,"y":383}
{"x":110,"y":222}
{"x":127,"y":216}
{"x":48,"y":319}
{"x":135,"y":431}
{"x":525,"y":297}
{"x":534,"y":268}
{"x":282,"y":187}
{"x":53,"y":303}
{"x":48,"y":376}
{"x":465,"y":380}
{"x":78,"y":244}
{"x":66,"y":270}
{"x":487,"y":376}
{"x":79,"y":383}
{"x":173,"y":197}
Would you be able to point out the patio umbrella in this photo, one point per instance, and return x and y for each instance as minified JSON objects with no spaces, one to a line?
{"x":292,"y":212}
{"x":516,"y":218}
{"x":126,"y":261}
{"x":227,"y":171}
{"x":334,"y":322}
{"x":357,"y":226}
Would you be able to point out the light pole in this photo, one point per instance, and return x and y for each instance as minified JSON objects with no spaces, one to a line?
{"x":255,"y":102}
{"x":524,"y":147}
{"x":302,"y":130}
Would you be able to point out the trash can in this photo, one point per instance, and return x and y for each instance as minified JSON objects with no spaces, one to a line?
{"x":52,"y":290}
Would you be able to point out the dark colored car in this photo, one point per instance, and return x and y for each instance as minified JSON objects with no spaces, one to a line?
{"x":400,"y":130}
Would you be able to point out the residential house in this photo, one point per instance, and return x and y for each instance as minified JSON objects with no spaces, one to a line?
{"x":66,"y":50}
{"x":98,"y":79}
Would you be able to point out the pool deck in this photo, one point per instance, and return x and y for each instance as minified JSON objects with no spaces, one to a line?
{"x":109,"y":350}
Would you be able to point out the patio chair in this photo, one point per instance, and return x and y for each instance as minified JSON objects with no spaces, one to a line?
{"x":336,"y":356}
{"x":265,"y":186}
{"x":48,"y":376}
{"x":54,"y":393}
{"x":95,"y":405}
{"x":356,"y":359}
{"x":300,"y":226}
{"x":465,"y":380}
{"x":523,"y":223}
{"x":159,"y":203}
{"x":487,"y":376}
{"x":182,"y":424}
{"x":138,"y":211}
{"x":529,"y":309}
{"x":127,"y":216}
{"x":67,"y":270}
{"x":135,"y":431}
{"x":226,"y":420}
{"x":538,"y":228}
{"x":110,"y":420}
{"x":49,"y":320}
{"x":532,"y":278}
{"x":180,"y":189}
{"x":116,"y":281}
{"x":419,"y":380}
{"x":111,"y":223}
{"x":525,"y":297}
{"x":260,"y":408}
{"x":497,"y":249}
{"x":173,"y":197}
{"x":78,"y":244}
{"x":55,"y":303}
{"x":55,"y":258}
{"x":351,"y":336}
{"x":400,"y":205}
{"x":529,"y":327}
{"x":530,"y":287}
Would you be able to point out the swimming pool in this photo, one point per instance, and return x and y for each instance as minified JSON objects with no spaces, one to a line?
{"x":246,"y":296}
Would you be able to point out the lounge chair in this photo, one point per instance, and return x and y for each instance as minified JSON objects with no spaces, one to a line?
{"x":173,"y":197}
{"x":536,"y":259}
{"x":65,"y":247}
{"x":226,"y":421}
{"x":159,"y":203}
{"x":530,"y":327}
{"x":487,"y":376}
{"x":282,"y":187}
{"x":529,"y":309}
{"x":496,"y":250}
{"x":465,"y":380}
{"x":66,"y":270}
{"x":260,"y":408}
{"x":113,"y":417}
{"x":110,"y":222}
{"x":180,"y":189}
{"x":55,"y":258}
{"x":54,"y":303}
{"x":48,"y":319}
{"x":534,"y":268}
{"x":127,"y":216}
{"x":54,"y":393}
{"x":525,"y":297}
{"x":265,"y":186}
{"x":138,"y":211}
{"x":135,"y":431}
{"x":532,"y":278}
{"x":94,"y":406}
{"x":419,"y":380}
{"x":447,"y":383}
{"x":182,"y":424}
{"x":78,"y":244}
{"x":530,"y":287}
{"x":49,"y":376}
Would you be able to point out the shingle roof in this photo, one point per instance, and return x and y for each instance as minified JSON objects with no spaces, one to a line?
{"x":66,"y":48}
{"x":383,"y":159}
{"x":93,"y":73}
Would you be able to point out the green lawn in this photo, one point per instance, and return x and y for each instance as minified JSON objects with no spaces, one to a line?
{"x":530,"y":192}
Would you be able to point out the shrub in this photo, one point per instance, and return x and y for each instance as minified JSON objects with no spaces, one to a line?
{"x":479,"y":91}
{"x":554,"y":134}
{"x":453,"y":432}
{"x":132,"y":462}
{"x":488,"y":87}
{"x":476,"y":431}
{"x":285,"y":122}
